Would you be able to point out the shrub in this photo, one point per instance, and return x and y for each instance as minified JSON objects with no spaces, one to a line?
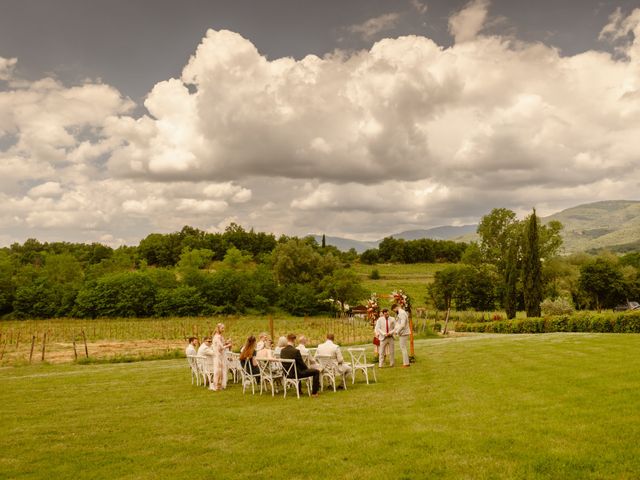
{"x":558,"y":306}
{"x":623,"y":322}
{"x":375,"y":274}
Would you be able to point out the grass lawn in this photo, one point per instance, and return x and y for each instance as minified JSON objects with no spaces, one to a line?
{"x":412,"y":278}
{"x":557,"y":406}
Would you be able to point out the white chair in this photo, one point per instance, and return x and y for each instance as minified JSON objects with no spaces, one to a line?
{"x":330,"y":370}
{"x":270,"y":374}
{"x":205,"y":367}
{"x":249,"y":379}
{"x":359,"y":362}
{"x":233,"y":364}
{"x":195,"y":371}
{"x":290,"y":376}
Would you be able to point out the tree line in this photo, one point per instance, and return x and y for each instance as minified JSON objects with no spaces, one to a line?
{"x":516,"y":266}
{"x":185,"y":273}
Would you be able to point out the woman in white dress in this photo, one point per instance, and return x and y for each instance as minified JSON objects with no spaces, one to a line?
{"x":220,"y":359}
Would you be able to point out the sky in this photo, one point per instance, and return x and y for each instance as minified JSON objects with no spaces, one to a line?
{"x":357,"y":118}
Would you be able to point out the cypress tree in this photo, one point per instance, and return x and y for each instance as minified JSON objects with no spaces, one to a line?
{"x":324,"y":241}
{"x":511,"y":280}
{"x":532,"y":267}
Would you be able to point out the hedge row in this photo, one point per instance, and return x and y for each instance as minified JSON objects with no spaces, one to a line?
{"x":625,"y":322}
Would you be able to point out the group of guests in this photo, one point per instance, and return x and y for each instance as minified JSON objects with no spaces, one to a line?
{"x":214,"y":348}
{"x":386,"y":329}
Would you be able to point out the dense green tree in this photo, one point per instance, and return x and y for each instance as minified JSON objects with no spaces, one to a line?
{"x":300,"y":299}
{"x":370,"y":256}
{"x":532,"y":267}
{"x":7,"y":288}
{"x":127,"y":294}
{"x":183,"y":301}
{"x":512,"y":275}
{"x":343,"y":286}
{"x":603,"y":283}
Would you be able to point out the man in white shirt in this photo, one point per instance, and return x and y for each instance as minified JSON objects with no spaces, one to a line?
{"x":191,"y":347}
{"x":403,"y":331}
{"x":306,"y":354}
{"x":206,"y":350}
{"x":384,"y":331}
{"x":330,"y":349}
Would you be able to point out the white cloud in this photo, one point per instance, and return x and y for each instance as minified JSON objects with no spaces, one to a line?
{"x":6,"y":67}
{"x":467,"y":23}
{"x":373,"y":26}
{"x":47,"y":189}
{"x":405,"y":134}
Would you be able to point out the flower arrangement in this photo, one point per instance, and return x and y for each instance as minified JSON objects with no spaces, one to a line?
{"x":373,"y":309}
{"x":401,"y":299}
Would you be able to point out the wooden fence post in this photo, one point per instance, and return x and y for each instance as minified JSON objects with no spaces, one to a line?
{"x":271,"y":328}
{"x":44,"y":344}
{"x":86,"y":349}
{"x":75,"y":352}
{"x":33,"y":343}
{"x":4,"y":345}
{"x":18,"y":340}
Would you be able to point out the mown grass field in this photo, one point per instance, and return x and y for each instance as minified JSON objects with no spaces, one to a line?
{"x":554,"y":406}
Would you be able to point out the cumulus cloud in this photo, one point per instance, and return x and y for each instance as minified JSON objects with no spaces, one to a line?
{"x":406,"y":134}
{"x":373,"y":26}
{"x":6,"y":67}
{"x":467,"y":23}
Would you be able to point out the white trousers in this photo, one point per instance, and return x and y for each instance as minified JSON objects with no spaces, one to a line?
{"x":404,"y":347}
{"x":381,"y":350}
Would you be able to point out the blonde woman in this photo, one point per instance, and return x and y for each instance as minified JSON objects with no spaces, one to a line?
{"x":266,"y":351}
{"x":220,"y":359}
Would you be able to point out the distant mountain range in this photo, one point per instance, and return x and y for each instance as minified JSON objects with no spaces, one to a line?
{"x":612,"y":225}
{"x":446,"y":232}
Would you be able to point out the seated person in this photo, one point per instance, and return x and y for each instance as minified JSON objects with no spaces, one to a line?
{"x":261,"y":341}
{"x":265,"y":352}
{"x":191,"y":347}
{"x":330,"y":349}
{"x":291,"y":353}
{"x":206,"y":350}
{"x":248,"y":357}
{"x":306,"y":354}
{"x":282,"y":342}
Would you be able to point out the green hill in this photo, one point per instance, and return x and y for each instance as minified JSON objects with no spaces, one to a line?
{"x":611,"y":225}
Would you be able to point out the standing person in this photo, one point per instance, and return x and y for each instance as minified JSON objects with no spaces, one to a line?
{"x":384,"y":332}
{"x":403,"y":331}
{"x":191,"y":347}
{"x":220,"y":347}
{"x":292,"y":353}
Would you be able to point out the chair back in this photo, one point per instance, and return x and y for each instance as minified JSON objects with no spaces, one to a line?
{"x":289,"y":368}
{"x":328,"y":363}
{"x":358,"y":356}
